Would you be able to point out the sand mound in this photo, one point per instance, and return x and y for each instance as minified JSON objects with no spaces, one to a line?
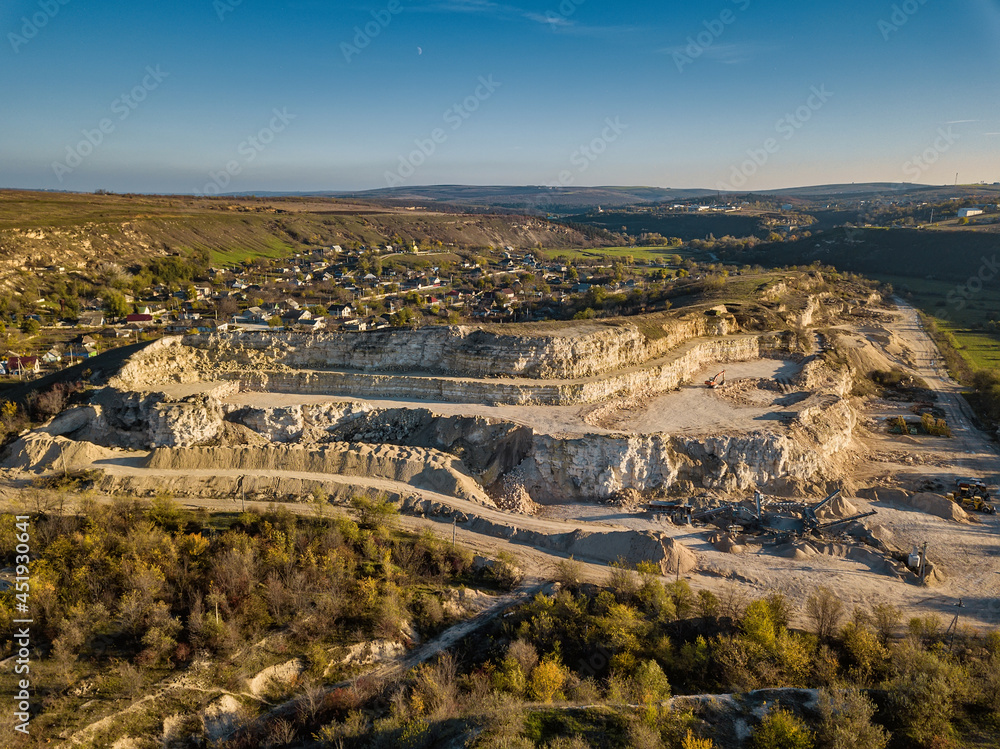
{"x":38,"y":451}
{"x":726,"y":543}
{"x":631,"y":546}
{"x":862,"y":354}
{"x":933,"y":575}
{"x":232,"y":434}
{"x":634,"y":547}
{"x":877,"y":536}
{"x":837,"y":509}
{"x":942,"y":507}
{"x":678,"y":558}
{"x":932,"y":504}
{"x":799,"y":551}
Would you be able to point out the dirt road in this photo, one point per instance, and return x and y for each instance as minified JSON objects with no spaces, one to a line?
{"x":974,"y":450}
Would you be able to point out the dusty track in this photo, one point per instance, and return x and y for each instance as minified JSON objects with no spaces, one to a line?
{"x":974,"y":450}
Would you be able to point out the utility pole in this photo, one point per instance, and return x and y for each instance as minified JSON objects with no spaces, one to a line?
{"x":454,"y":529}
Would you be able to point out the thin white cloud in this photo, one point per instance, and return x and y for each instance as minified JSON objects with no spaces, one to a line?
{"x":959,"y":122}
{"x":991,"y":134}
{"x":727,"y":54}
{"x":488,"y":7}
{"x":552,"y":19}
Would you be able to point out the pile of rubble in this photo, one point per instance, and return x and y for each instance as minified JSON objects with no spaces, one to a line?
{"x":511,"y":495}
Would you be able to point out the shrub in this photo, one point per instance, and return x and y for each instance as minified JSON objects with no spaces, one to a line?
{"x":374,"y":514}
{"x":651,"y":593}
{"x":547,"y":680}
{"x":693,"y":742}
{"x":569,"y":573}
{"x":166,"y":513}
{"x":923,"y":694}
{"x":684,"y":598}
{"x":781,"y":730}
{"x":622,"y":580}
{"x":649,"y":683}
{"x":437,"y":687}
{"x":505,"y":571}
{"x":866,"y":656}
{"x":885,"y":618}
{"x":709,"y":606}
{"x":826,"y":610}
{"x":846,"y":721}
{"x":524,"y":653}
{"x":567,"y":742}
{"x":429,"y":611}
{"x":46,"y":405}
{"x":510,"y":677}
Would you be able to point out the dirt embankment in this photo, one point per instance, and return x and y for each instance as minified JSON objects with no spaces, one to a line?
{"x":419,"y":467}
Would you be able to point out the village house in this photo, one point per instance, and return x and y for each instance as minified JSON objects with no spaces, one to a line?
{"x":23,"y":365}
{"x":340,"y":311}
{"x":91,"y":319}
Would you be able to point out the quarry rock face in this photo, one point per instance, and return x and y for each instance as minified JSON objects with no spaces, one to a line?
{"x":142,"y":420}
{"x":600,"y":466}
{"x":256,"y":361}
{"x":176,"y":397}
{"x":472,"y":352}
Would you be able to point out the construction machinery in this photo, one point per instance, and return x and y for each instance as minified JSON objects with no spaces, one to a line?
{"x":972,"y":494}
{"x":812,"y":522}
{"x":719,"y":379}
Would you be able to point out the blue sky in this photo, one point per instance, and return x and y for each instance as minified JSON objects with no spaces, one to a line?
{"x":230,"y":95}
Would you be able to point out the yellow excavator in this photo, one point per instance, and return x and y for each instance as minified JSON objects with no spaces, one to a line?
{"x":719,"y":379}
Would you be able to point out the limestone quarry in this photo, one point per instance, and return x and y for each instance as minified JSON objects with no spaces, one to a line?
{"x":566,"y":437}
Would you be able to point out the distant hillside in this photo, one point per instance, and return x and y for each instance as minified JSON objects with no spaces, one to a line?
{"x":887,"y":191}
{"x":683,"y":225}
{"x":536,"y":199}
{"x":566,"y":200}
{"x":940,"y":255}
{"x":39,"y":229}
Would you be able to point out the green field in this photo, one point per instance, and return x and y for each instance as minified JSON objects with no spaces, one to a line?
{"x":639,"y":254}
{"x":273,"y":250}
{"x":964,"y":317}
{"x":423,"y":259}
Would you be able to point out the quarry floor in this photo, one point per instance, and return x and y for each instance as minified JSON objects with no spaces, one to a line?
{"x":693,"y":409}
